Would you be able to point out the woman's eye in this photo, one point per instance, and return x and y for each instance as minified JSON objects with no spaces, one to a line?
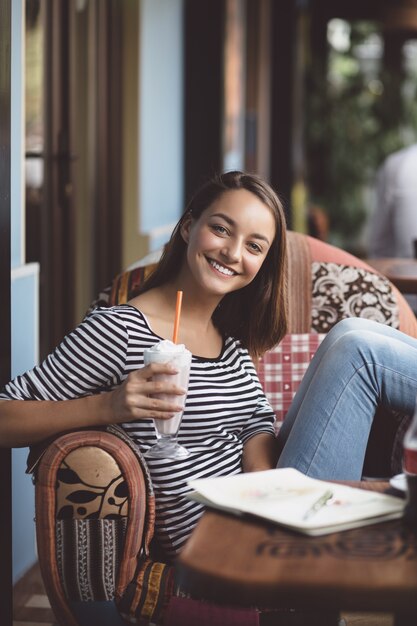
{"x":254,"y":247}
{"x":219,"y":229}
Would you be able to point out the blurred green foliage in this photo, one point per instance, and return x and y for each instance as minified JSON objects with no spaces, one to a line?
{"x":357,"y":113}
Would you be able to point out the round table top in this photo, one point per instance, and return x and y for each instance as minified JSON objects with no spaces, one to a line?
{"x":249,"y":562}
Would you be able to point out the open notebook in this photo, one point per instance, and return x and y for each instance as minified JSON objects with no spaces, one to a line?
{"x":291,"y":499}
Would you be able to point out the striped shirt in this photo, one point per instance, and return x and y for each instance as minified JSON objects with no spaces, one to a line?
{"x":225,"y":406}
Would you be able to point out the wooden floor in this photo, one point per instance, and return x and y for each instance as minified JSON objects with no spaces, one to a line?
{"x":31,"y":606}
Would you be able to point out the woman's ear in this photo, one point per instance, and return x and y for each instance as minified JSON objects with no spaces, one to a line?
{"x":185,"y":227}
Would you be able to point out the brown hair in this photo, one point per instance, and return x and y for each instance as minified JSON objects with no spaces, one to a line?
{"x":257,"y":313}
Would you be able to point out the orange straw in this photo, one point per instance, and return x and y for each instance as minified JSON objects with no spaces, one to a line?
{"x":177,"y":316}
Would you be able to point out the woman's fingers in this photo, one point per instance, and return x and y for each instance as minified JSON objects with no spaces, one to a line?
{"x":154,"y":368}
{"x":147,"y":393}
{"x":167,"y":403}
{"x":162,"y":384}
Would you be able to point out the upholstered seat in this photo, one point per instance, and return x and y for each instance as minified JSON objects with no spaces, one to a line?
{"x":94,"y":500}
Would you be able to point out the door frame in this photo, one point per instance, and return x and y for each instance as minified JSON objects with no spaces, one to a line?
{"x":5,"y":303}
{"x":82,"y":177}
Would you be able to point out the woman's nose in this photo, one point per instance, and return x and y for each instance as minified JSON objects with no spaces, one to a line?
{"x":232,"y":251}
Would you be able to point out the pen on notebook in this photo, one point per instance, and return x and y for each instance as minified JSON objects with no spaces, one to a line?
{"x":318,"y":504}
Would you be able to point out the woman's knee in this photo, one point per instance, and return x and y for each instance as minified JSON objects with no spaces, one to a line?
{"x":350,"y":324}
{"x":353,"y":341}
{"x":346,"y":325}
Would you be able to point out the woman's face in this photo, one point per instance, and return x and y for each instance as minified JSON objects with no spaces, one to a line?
{"x":229,"y":242}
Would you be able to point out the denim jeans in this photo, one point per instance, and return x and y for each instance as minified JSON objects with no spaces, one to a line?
{"x":360,"y":364}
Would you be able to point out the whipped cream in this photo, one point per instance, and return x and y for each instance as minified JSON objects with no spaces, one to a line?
{"x":167,"y":346}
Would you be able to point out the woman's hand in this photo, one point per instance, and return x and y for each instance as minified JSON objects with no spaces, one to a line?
{"x":149,"y":392}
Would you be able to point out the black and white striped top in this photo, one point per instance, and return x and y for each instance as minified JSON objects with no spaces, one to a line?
{"x":225,"y":406}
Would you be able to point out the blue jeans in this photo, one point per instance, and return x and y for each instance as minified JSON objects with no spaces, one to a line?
{"x":360,"y":364}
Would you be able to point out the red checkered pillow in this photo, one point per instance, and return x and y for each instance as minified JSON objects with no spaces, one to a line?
{"x":282,"y":368}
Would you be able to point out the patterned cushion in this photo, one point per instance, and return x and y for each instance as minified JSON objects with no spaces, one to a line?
{"x":340,"y":291}
{"x":88,"y":556}
{"x":282,"y":368}
{"x":123,"y":288}
{"x":127,"y":284}
{"x":90,"y":485}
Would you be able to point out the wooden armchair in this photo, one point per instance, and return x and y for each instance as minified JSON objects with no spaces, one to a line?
{"x":94,"y":499}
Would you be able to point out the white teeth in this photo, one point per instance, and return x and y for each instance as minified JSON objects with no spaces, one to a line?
{"x":220,"y":268}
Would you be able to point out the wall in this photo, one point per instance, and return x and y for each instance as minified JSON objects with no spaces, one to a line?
{"x":24,"y":295}
{"x":24,"y":355}
{"x":153,"y":143}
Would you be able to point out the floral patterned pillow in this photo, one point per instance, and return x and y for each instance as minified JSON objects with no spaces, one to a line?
{"x":341,"y":291}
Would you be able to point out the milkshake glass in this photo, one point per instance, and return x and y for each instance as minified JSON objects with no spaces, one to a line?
{"x":179,"y":357}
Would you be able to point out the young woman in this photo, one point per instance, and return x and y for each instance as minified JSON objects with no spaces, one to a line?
{"x":228,"y":255}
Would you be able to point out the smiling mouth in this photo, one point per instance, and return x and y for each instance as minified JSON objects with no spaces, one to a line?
{"x":221,"y":268}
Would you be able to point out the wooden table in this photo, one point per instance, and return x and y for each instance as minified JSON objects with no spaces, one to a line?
{"x":401,"y":272}
{"x":247,"y":562}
